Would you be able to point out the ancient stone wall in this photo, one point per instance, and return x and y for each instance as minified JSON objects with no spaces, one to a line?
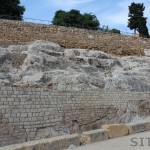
{"x":14,"y":32}
{"x":34,"y":113}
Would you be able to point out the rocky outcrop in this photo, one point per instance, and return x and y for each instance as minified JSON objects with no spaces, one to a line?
{"x":47,"y":64}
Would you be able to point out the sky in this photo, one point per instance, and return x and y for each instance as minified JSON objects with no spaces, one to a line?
{"x":112,"y":13}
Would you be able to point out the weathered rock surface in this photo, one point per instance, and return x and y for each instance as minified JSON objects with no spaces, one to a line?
{"x":47,"y":64}
{"x":147,"y":52}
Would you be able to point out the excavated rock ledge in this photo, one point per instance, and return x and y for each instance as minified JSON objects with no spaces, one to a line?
{"x":46,"y":64}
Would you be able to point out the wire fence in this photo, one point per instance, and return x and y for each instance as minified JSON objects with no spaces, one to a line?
{"x":48,"y":22}
{"x":24,"y":30}
{"x":30,"y":20}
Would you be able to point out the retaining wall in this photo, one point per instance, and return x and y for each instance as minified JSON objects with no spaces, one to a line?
{"x":34,"y":113}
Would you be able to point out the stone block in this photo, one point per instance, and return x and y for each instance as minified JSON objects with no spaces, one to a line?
{"x":138,"y":127}
{"x":93,"y":136}
{"x":116,"y":130}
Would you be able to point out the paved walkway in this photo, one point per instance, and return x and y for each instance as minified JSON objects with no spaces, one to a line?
{"x":122,"y":143}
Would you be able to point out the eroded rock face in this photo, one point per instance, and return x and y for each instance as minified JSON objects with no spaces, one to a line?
{"x":47,"y":64}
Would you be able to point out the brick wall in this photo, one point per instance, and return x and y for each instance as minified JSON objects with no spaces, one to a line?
{"x":33,"y":113}
{"x":16,"y":32}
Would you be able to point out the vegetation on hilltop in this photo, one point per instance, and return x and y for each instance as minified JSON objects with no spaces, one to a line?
{"x":136,"y":20}
{"x":11,"y":9}
{"x":74,"y":18}
{"x":115,"y":31}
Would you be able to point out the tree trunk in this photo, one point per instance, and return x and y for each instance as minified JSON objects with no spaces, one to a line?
{"x":134,"y":32}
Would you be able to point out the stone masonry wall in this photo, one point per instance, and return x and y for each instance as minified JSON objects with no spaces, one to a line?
{"x":34,"y":113}
{"x":16,"y":32}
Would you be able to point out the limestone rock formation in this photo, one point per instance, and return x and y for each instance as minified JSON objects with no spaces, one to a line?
{"x":147,"y":52}
{"x":47,"y":64}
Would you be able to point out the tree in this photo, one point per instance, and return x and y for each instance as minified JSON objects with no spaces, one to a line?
{"x":74,"y":18}
{"x":90,"y":21}
{"x":136,"y":20}
{"x":11,"y":9}
{"x":60,"y":18}
{"x":114,"y":31}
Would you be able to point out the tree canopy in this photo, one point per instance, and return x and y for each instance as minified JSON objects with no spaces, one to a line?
{"x":74,"y":18}
{"x":11,"y":9}
{"x":136,"y":20}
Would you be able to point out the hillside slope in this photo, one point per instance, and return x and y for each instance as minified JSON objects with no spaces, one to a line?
{"x":14,"y":32}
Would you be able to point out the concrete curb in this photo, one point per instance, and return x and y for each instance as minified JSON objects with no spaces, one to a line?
{"x":63,"y":142}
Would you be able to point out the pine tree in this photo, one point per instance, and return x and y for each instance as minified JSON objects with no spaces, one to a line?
{"x":136,"y":20}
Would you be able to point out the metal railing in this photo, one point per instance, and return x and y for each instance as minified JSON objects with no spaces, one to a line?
{"x":25,"y":19}
{"x":48,"y":22}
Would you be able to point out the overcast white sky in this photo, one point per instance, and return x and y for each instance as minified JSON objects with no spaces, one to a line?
{"x":113,"y":13}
